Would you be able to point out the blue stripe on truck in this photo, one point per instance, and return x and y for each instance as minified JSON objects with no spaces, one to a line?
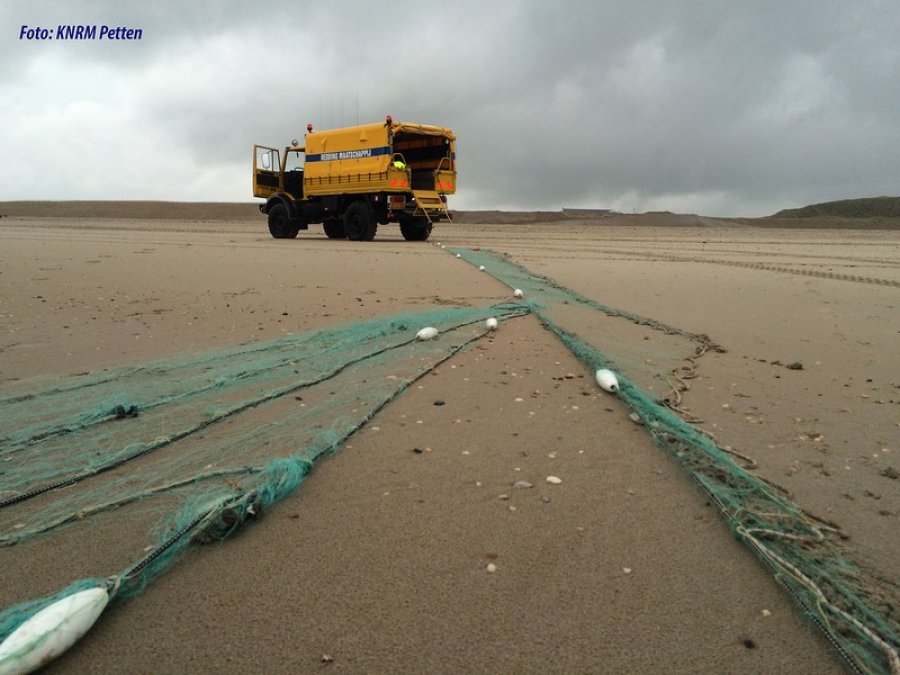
{"x":349,"y":154}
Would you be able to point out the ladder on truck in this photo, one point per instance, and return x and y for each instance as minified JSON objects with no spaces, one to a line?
{"x":429,"y":201}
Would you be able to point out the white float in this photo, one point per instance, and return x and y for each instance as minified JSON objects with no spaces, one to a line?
{"x":518,"y":293}
{"x":428,"y":333}
{"x":51,"y":631}
{"x":491,"y":324}
{"x":481,"y":268}
{"x":607,"y":380}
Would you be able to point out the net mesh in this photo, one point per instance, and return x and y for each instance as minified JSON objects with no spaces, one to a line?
{"x":191,"y":448}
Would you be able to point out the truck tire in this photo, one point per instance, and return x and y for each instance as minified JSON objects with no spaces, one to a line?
{"x":280,"y":225}
{"x":359,"y":222}
{"x":415,"y":229}
{"x":334,"y":228}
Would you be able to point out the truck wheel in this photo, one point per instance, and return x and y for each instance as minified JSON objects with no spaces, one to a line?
{"x":334,"y":228}
{"x":417,"y":229}
{"x":359,"y":222}
{"x":280,"y":224}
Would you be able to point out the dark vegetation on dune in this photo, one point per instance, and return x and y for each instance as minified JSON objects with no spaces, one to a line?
{"x":870,"y":207}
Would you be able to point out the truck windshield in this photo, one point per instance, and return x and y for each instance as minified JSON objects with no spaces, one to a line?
{"x":294,"y":161}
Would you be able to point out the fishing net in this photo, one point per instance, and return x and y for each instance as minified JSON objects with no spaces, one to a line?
{"x":211,"y":440}
{"x":806,"y":555}
{"x":191,"y":448}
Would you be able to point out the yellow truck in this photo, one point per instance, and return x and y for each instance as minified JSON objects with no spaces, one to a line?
{"x":355,"y":178}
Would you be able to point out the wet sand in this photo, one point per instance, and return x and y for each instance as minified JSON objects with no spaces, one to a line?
{"x":380,"y":560}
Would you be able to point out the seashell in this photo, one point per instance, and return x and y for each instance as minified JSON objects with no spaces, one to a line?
{"x":554,"y":480}
{"x":518,"y":293}
{"x":607,"y":380}
{"x":428,"y":333}
{"x":491,"y":324}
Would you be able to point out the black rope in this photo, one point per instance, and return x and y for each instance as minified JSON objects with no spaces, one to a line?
{"x":139,"y":566}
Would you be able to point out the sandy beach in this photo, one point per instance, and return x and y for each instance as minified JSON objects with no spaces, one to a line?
{"x":379,"y":562}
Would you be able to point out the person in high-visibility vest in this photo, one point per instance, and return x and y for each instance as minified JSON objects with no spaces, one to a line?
{"x":399,"y":164}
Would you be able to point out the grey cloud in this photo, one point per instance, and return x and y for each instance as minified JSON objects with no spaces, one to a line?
{"x":731,"y":108}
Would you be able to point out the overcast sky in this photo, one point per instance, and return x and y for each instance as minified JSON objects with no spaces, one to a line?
{"x":715,"y":107}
